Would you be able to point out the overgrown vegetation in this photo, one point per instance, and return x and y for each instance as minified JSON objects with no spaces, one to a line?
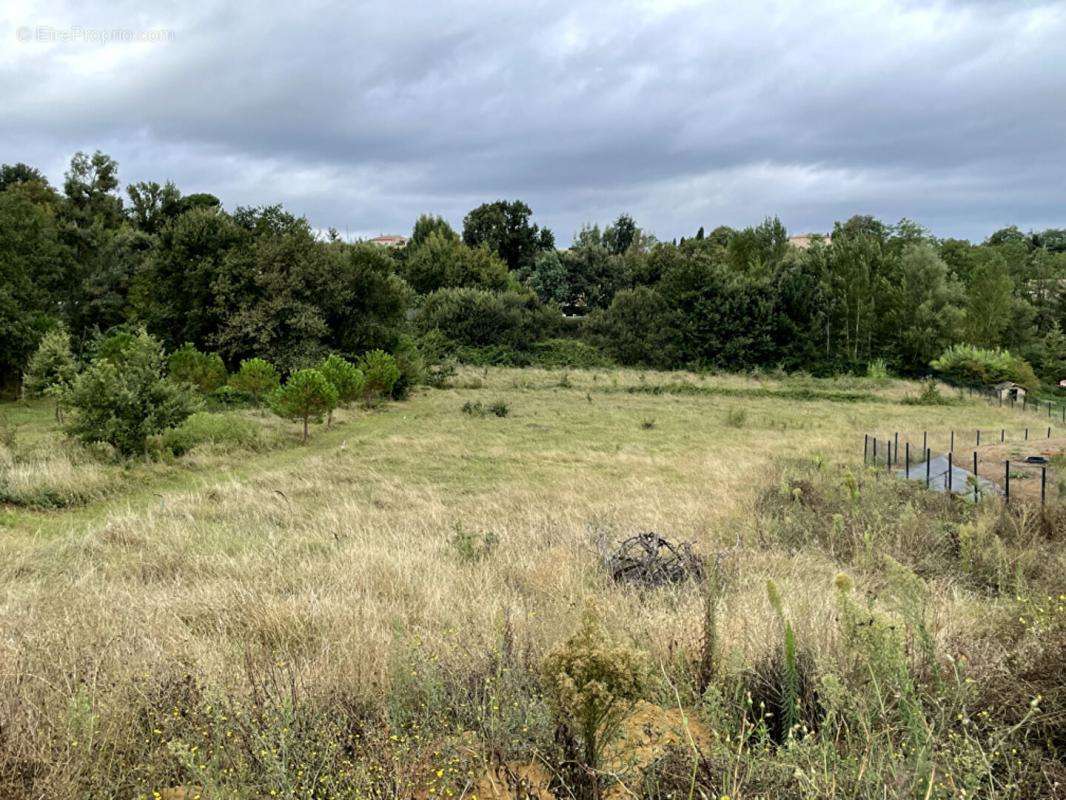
{"x":219,"y":287}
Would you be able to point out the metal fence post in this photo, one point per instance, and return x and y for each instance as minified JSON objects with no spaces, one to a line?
{"x":865,"y":446}
{"x":1043,"y":484}
{"x":976,"y":480}
{"x":928,"y":462}
{"x":1027,"y":434}
{"x":908,"y":460}
{"x":896,"y":448}
{"x":952,"y":448}
{"x":978,"y":437}
{"x":1006,"y":479}
{"x":950,"y":476}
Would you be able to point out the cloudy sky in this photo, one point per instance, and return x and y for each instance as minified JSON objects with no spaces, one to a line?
{"x":363,"y":115}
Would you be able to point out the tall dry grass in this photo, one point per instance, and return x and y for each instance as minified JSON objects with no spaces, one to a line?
{"x":256,"y":620}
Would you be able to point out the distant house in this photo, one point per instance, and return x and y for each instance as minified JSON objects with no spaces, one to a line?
{"x":389,"y":241}
{"x":1008,"y":391}
{"x":805,"y":240}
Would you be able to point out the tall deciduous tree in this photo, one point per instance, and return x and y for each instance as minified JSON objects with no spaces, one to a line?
{"x":505,"y":229}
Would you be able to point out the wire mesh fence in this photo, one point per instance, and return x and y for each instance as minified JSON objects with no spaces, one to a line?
{"x":975,"y":463}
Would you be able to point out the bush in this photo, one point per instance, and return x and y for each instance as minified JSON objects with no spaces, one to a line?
{"x":228,"y":397}
{"x":52,"y":369}
{"x":257,"y":377}
{"x":205,"y":372}
{"x":877,"y":369}
{"x":965,"y":365}
{"x":568,"y":353}
{"x":226,"y":430}
{"x":124,"y":401}
{"x":381,"y":374}
{"x":473,"y":546}
{"x":499,"y":408}
{"x":479,"y":318}
{"x":306,"y":396}
{"x":412,"y":368}
{"x":637,"y":329}
{"x":930,"y":396}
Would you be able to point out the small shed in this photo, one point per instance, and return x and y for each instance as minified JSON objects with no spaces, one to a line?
{"x":1008,"y":391}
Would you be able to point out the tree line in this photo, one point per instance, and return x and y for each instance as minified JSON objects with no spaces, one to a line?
{"x":261,"y":283}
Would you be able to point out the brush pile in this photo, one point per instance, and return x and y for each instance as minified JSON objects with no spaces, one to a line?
{"x":649,"y":560}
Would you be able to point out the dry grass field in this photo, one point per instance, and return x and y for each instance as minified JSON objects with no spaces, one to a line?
{"x":367,"y":615}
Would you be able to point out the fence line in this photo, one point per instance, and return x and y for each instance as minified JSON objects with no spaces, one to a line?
{"x":889,"y":456}
{"x":1054,"y":410}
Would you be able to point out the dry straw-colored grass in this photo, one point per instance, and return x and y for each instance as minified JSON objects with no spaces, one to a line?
{"x":335,"y":557}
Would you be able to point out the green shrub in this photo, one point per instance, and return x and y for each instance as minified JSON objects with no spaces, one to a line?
{"x":205,"y":372}
{"x":479,"y":318}
{"x":473,"y":546}
{"x":499,"y":408}
{"x":124,"y":401}
{"x":306,"y":396}
{"x":877,"y":369}
{"x":226,"y":430}
{"x":412,"y":366}
{"x":930,"y":396}
{"x":381,"y":373}
{"x":228,"y":397}
{"x":52,"y":369}
{"x":568,"y":353}
{"x":966,"y":365}
{"x":257,"y":377}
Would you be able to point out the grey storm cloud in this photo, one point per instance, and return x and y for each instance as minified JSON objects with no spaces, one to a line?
{"x":364,"y":115}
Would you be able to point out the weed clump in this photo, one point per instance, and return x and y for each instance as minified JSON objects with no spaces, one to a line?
{"x":736,"y":418}
{"x":593,"y":681}
{"x":499,"y":408}
{"x":473,"y":546}
{"x":930,"y":396}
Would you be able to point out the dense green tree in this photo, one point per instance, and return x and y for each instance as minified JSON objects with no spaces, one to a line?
{"x":924,"y":308}
{"x":443,"y":262}
{"x":989,"y":301}
{"x":176,"y":294}
{"x":425,"y":226}
{"x":758,"y":249}
{"x":549,"y":278}
{"x":505,"y":229}
{"x":620,"y":235}
{"x":272,"y":294}
{"x":477,"y":318}
{"x":368,"y":302}
{"x":33,"y":269}
{"x":152,"y":205}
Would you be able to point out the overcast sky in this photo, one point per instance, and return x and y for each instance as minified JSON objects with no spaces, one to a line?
{"x":363,"y":115}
